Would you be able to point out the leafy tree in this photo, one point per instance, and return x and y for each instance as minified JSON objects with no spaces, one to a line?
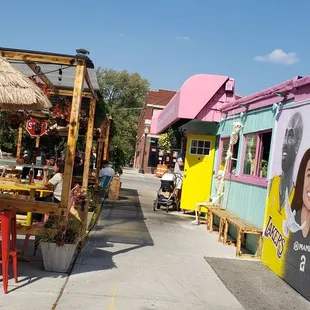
{"x":123,"y":96}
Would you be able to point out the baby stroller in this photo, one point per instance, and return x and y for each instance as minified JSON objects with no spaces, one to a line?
{"x":166,"y":195}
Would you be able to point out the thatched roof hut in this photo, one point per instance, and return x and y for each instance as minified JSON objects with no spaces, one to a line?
{"x":17,"y":91}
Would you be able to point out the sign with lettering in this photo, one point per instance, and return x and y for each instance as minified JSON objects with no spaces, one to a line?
{"x":35,"y":127}
{"x":286,"y":246}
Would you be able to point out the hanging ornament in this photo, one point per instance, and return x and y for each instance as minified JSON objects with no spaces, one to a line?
{"x":60,"y":74}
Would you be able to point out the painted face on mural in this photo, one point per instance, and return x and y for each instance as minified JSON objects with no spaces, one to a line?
{"x":291,"y":141}
{"x":306,"y":189}
{"x":288,"y":148}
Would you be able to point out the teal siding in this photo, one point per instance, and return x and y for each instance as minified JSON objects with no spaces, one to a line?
{"x":245,"y":200}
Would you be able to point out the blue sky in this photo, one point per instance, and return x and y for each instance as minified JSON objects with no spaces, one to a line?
{"x":168,"y":41}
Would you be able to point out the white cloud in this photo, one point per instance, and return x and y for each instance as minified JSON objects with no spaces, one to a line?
{"x":183,"y":38}
{"x":278,"y":56}
{"x":122,"y":34}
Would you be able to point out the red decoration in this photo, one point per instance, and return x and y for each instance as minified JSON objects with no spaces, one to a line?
{"x":40,"y":85}
{"x":36,"y":128}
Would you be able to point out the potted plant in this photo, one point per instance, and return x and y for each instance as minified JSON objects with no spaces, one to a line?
{"x":62,"y":235}
{"x":61,"y":113}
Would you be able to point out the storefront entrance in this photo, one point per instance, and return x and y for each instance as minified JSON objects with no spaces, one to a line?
{"x":198,"y":170}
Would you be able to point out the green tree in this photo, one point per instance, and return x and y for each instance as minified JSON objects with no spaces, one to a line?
{"x":123,"y":96}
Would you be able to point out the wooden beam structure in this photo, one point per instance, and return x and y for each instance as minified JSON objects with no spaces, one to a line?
{"x":100,"y":151}
{"x":89,"y":142}
{"x":37,"y":141}
{"x":33,"y":59}
{"x":106,"y":139}
{"x":37,"y":70}
{"x":19,"y":140}
{"x":88,"y":150}
{"x":69,"y":93}
{"x":73,"y":131}
{"x":39,"y":57}
{"x":90,"y":86}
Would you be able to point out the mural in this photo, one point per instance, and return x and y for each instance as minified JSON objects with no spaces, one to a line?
{"x":286,"y":248}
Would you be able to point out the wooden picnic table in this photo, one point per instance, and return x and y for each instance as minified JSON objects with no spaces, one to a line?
{"x":26,"y":204}
{"x":31,"y":188}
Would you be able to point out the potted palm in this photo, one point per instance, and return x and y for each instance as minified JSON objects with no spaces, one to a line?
{"x":62,"y":235}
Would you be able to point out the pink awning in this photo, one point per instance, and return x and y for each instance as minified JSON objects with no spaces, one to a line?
{"x":154,"y":123}
{"x":189,"y":101}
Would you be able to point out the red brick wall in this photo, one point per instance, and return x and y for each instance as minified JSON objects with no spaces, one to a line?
{"x":157,"y":98}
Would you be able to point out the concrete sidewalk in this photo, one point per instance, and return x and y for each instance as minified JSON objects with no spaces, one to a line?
{"x":140,"y":259}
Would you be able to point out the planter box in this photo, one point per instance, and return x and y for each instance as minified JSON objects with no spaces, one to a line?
{"x":114,"y":189}
{"x":57,"y":258}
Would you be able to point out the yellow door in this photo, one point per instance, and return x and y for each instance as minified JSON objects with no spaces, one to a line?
{"x":198,"y":170}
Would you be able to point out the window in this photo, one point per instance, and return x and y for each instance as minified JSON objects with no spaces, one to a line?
{"x":256,"y":154}
{"x":232,"y":163}
{"x":200,"y":147}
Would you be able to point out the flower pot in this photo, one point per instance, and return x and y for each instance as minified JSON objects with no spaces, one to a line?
{"x":57,"y":258}
{"x":61,"y":122}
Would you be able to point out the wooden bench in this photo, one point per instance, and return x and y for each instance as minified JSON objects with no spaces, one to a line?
{"x":243,"y":228}
{"x":206,"y":205}
{"x":222,"y":214}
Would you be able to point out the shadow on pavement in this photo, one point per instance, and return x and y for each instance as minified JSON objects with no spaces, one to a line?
{"x":121,"y":228}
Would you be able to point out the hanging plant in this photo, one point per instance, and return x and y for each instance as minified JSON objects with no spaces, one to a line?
{"x":43,"y":86}
{"x":61,"y":113}
{"x":14,"y":119}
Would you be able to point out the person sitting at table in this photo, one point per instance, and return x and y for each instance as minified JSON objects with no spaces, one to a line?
{"x":55,"y":183}
{"x":78,"y":166}
{"x":105,"y":171}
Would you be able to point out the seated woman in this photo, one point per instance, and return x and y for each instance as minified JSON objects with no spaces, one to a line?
{"x":55,"y":183}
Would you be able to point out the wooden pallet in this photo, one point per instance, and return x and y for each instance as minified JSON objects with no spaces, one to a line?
{"x":243,"y":228}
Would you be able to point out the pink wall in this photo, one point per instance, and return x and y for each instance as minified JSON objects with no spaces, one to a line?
{"x":154,"y":123}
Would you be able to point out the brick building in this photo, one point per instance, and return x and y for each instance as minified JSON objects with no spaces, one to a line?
{"x":156,"y":100}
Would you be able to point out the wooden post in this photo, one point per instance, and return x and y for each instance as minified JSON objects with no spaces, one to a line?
{"x":73,"y":131}
{"x":19,"y":140}
{"x":88,"y":149}
{"x":37,"y":141}
{"x":106,"y":140}
{"x":99,"y":155}
{"x":89,"y":141}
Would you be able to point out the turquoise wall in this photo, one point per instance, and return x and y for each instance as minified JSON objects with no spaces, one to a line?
{"x":245,"y":200}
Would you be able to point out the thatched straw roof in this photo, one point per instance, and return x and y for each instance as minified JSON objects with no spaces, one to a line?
{"x":17,"y":91}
